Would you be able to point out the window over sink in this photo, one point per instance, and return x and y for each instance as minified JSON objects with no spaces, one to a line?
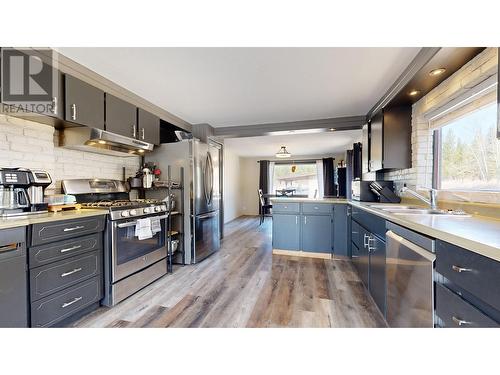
{"x":466,"y":147}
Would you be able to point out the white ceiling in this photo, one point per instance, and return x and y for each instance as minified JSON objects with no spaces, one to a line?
{"x":244,"y":86}
{"x":327,"y":143}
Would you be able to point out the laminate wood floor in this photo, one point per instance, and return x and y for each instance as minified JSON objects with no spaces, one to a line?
{"x":245,"y":285}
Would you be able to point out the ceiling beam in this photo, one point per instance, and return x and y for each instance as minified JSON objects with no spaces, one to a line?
{"x":337,"y":123}
{"x":421,"y":59}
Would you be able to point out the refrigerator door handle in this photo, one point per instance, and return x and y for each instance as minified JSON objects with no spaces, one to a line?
{"x":207,"y":216}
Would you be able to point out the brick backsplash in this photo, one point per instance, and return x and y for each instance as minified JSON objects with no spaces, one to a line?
{"x":29,"y":144}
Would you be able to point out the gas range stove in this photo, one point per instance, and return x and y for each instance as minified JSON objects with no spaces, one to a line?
{"x":123,"y":208}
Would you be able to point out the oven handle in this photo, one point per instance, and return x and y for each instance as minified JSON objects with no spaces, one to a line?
{"x":132,"y":223}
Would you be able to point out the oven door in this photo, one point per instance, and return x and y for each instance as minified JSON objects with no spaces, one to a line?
{"x":129,"y":253}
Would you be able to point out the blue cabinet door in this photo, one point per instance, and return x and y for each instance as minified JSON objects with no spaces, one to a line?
{"x":377,"y":271}
{"x":341,"y":237}
{"x":317,"y":233}
{"x":286,"y":232}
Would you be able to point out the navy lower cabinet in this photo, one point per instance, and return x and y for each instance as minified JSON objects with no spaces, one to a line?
{"x":286,"y":232}
{"x":342,"y":230}
{"x":467,"y":293}
{"x":369,"y":254}
{"x":304,"y":226}
{"x":361,"y":260}
{"x":378,"y":287}
{"x":317,"y":233}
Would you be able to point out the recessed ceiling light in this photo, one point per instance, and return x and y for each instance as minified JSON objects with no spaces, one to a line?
{"x":101,"y":142}
{"x":414,"y":92}
{"x":332,"y":129}
{"x":437,"y":72}
{"x":140,"y":150}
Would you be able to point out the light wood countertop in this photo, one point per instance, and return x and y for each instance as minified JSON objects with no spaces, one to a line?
{"x":22,"y":221}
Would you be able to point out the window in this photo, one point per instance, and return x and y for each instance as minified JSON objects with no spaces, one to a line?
{"x":300,"y":178}
{"x":468,"y":151}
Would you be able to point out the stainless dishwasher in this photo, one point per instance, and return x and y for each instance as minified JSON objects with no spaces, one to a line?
{"x":410,"y":278}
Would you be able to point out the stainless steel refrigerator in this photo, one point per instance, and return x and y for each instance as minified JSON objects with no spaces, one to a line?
{"x":202,"y":192}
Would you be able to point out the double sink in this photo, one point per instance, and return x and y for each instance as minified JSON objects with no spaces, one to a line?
{"x":414,"y":210}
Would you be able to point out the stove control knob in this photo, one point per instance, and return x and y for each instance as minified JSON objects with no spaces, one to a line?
{"x":157,"y":209}
{"x":163,"y":208}
{"x":125,"y":213}
{"x":147,"y":210}
{"x":133,"y":212}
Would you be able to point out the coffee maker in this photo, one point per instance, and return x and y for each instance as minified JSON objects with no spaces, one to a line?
{"x":21,"y":191}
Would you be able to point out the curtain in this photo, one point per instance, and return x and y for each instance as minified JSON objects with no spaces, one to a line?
{"x":263,"y":179}
{"x":319,"y":169}
{"x":270,"y":187}
{"x":328,"y":177}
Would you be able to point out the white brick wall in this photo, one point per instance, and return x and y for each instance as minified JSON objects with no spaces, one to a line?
{"x":29,"y":144}
{"x":471,"y":74}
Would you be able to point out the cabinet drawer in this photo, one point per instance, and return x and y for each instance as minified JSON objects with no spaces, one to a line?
{"x":62,"y":305}
{"x":373,"y":223}
{"x":53,"y":252}
{"x":51,"y":278}
{"x":50,"y":232}
{"x":286,"y":207}
{"x":458,"y":313}
{"x":472,"y":272}
{"x":317,"y":208}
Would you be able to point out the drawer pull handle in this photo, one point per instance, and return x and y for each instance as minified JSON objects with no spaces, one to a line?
{"x":74,"y":228}
{"x":366,"y":238}
{"x":66,"y":304}
{"x":73,"y":111}
{"x":70,"y":248}
{"x":460,"y":322}
{"x":9,"y":247}
{"x":316,"y":207}
{"x":460,"y":269}
{"x":71,"y":272}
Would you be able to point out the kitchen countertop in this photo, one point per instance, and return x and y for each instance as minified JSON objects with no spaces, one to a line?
{"x":48,"y":217}
{"x":308,"y":200}
{"x":478,"y":234}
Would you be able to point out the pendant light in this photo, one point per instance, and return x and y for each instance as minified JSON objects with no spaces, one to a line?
{"x":283,"y":153}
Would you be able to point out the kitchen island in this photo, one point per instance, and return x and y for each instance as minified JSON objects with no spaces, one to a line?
{"x":310,"y":227}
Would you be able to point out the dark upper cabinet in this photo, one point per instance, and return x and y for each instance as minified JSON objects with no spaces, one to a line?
{"x":53,"y":78}
{"x":121,"y":117}
{"x":148,"y":127}
{"x":357,"y":158}
{"x":365,"y":148}
{"x":376,"y":143}
{"x":84,"y":103}
{"x":390,"y":139}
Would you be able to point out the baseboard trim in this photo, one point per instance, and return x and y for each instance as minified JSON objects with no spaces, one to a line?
{"x":299,"y":253}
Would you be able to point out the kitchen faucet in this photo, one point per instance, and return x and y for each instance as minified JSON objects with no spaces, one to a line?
{"x":431,"y":201}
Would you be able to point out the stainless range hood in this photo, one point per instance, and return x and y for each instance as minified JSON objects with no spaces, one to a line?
{"x":102,"y":142}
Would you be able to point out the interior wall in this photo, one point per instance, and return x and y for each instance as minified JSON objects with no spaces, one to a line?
{"x":249,"y":179}
{"x":29,"y":144}
{"x":232,"y":185}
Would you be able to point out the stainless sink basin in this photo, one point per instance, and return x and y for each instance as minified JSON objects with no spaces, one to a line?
{"x":425,"y":211}
{"x":389,"y":206}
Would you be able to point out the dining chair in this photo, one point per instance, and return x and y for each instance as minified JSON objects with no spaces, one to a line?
{"x":263,"y":206}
